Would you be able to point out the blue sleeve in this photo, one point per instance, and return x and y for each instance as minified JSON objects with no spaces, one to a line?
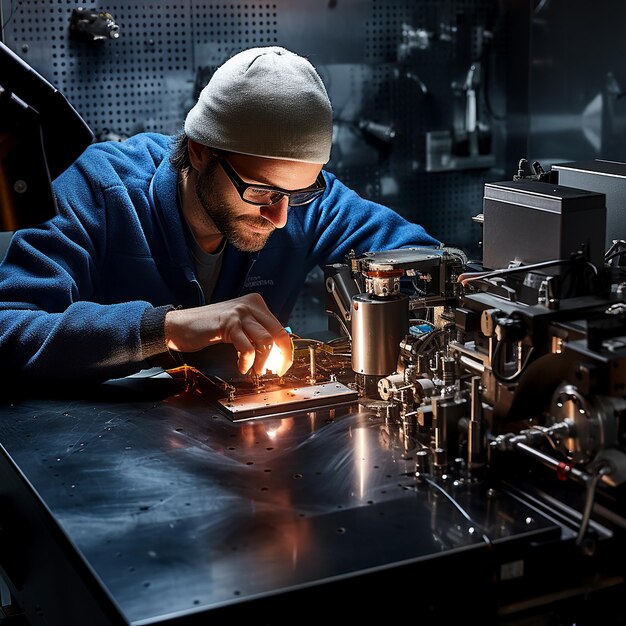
{"x":49,"y":328}
{"x":343,"y":221}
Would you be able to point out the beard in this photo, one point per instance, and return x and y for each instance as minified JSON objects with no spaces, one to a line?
{"x":235,"y":227}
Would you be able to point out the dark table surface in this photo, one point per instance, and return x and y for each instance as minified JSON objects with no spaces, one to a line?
{"x":176,"y":510}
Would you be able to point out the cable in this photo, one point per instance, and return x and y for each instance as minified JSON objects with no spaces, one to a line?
{"x":308,"y":341}
{"x":418,"y":291}
{"x":335,"y":340}
{"x":419,"y":320}
{"x":9,"y":18}
{"x":590,"y":492}
{"x":427,"y":479}
{"x":495,"y":357}
{"x":471,"y":276}
{"x":428,"y":339}
{"x":546,"y":436}
{"x":341,"y":323}
{"x":466,"y":278}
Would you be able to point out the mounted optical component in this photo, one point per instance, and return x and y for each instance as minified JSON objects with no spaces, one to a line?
{"x":93,"y":25}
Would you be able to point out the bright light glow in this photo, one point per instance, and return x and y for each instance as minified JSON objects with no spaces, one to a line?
{"x":362,"y":458}
{"x":275,"y":361}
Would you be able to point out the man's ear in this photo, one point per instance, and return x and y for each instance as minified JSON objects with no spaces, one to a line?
{"x":199,"y":155}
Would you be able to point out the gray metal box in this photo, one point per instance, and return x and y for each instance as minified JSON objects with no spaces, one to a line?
{"x":528,"y":221}
{"x":607,"y":177}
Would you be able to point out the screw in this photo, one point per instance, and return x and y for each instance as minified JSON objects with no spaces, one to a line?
{"x":20,"y":186}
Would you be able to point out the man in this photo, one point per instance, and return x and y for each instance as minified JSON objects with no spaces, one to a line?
{"x":165,"y":246}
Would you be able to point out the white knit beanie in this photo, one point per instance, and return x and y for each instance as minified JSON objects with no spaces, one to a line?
{"x":265,"y":102}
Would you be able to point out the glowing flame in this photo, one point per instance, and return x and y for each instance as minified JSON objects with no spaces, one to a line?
{"x":275,"y":361}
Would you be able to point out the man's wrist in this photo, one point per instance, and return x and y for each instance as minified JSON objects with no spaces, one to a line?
{"x":154,"y":346}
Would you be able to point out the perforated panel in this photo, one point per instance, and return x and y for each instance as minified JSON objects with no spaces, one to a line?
{"x":134,"y":83}
{"x":220,"y":30}
{"x":421,"y":51}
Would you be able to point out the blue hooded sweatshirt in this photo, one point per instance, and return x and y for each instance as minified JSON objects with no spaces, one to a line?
{"x":84,"y":295}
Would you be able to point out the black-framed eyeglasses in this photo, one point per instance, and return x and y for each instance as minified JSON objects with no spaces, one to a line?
{"x":264,"y":195}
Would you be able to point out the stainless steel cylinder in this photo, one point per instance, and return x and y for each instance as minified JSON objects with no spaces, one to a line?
{"x":388,"y":386}
{"x":378,"y":326}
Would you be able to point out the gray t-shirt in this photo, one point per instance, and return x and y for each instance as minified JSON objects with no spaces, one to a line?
{"x":207,"y":265}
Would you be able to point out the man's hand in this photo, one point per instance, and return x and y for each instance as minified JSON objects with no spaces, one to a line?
{"x":246,"y":322}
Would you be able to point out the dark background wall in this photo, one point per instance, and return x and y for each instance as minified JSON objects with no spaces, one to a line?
{"x":395,"y":72}
{"x":548,"y":77}
{"x":391,"y":67}
{"x":578,"y":81}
